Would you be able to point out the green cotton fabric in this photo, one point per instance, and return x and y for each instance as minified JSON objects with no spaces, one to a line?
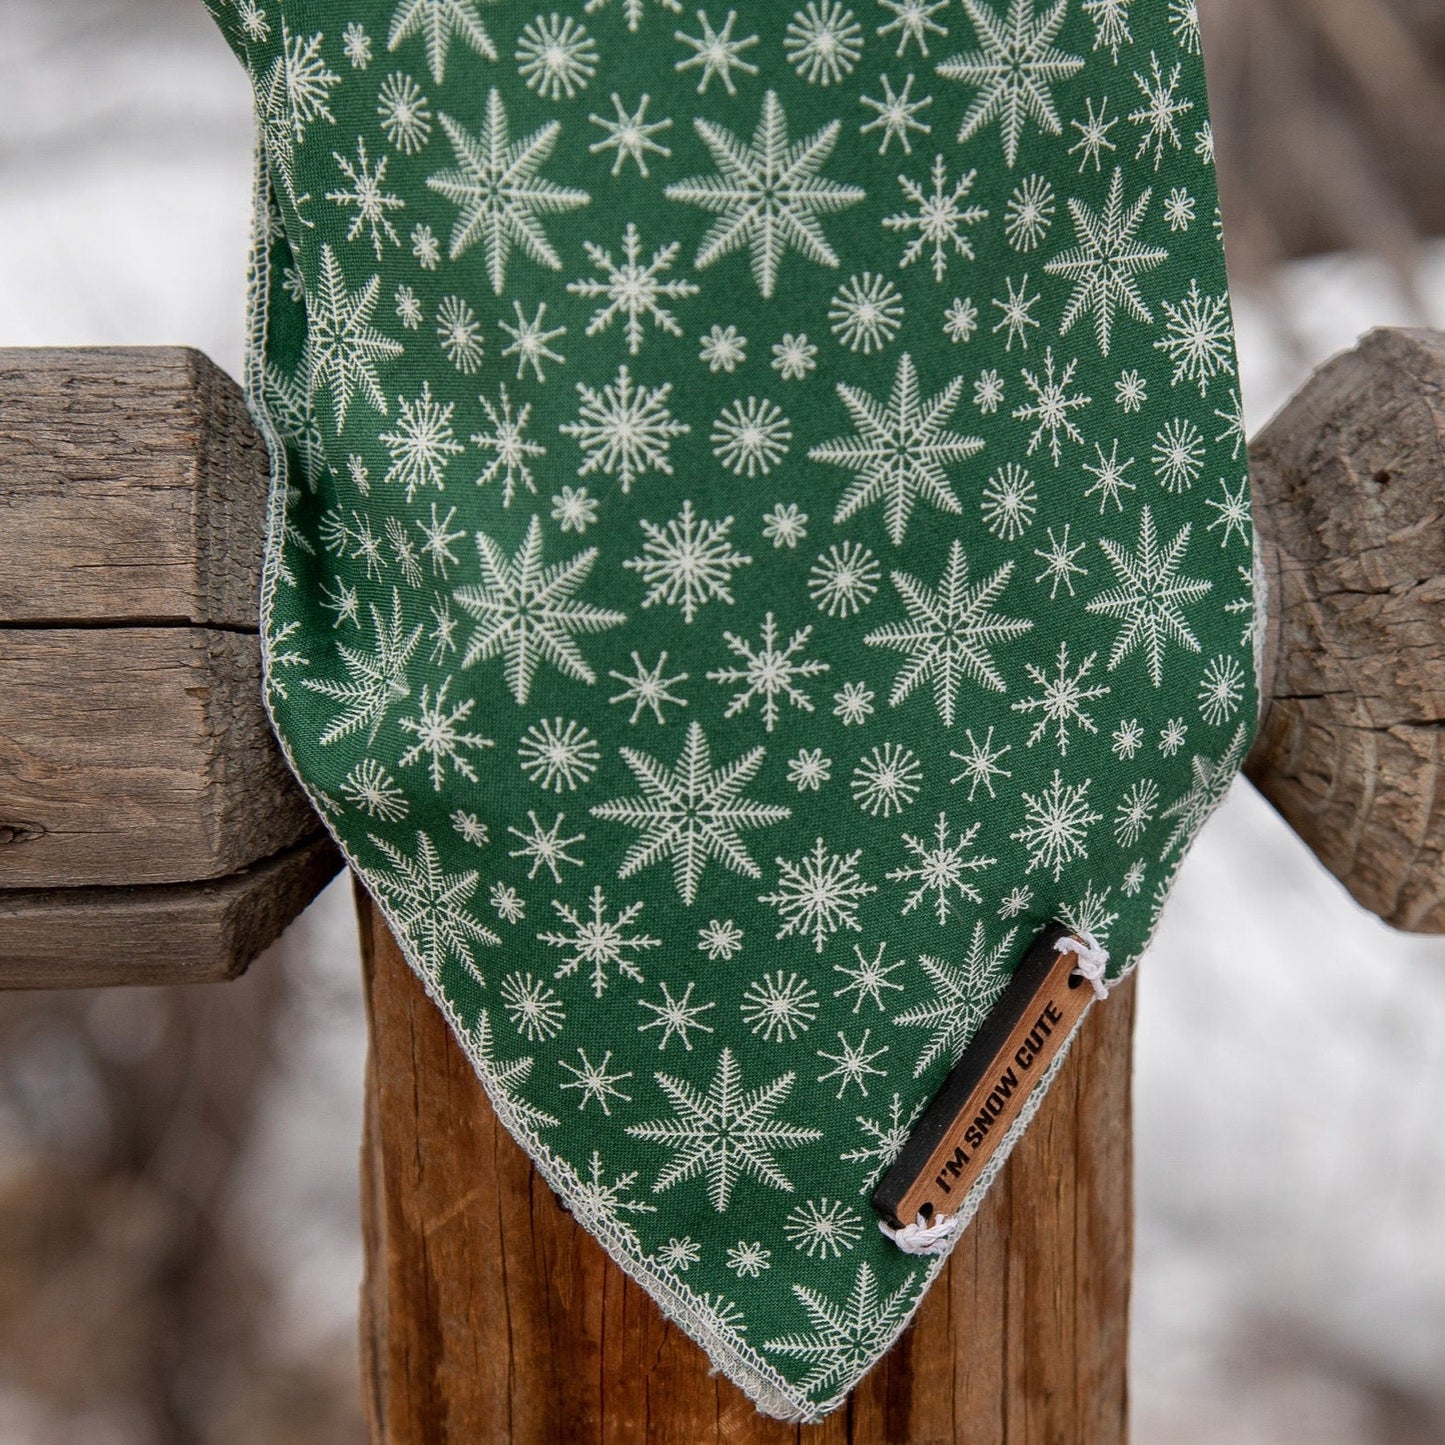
{"x":760,"y":526}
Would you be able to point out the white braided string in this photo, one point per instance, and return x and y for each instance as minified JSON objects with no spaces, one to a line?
{"x":921,"y":1237}
{"x":1093,"y":959}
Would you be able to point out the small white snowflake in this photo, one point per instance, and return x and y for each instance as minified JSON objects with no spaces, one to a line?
{"x":794,"y":356}
{"x":715,"y":52}
{"x":556,"y":56}
{"x":533,"y":1006}
{"x":1093,"y":132}
{"x":751,"y":437}
{"x":1178,"y":454}
{"x":780,"y":1005}
{"x":647,"y":687}
{"x":769,"y":672}
{"x":823,"y":42}
{"x":375,"y":791}
{"x":913,"y":20}
{"x":960,"y":321}
{"x":852,"y":1064}
{"x":1172,"y":735}
{"x":980,"y":763}
{"x":939,"y":869}
{"x":688,"y":562}
{"x":599,"y":943}
{"x":633,"y":288}
{"x":408,"y":309}
{"x":938,"y":218}
{"x":678,"y":1254}
{"x":809,"y":769}
{"x":724,"y":348}
{"x":1015,"y":901}
{"x":470,"y":828}
{"x":510,"y":905}
{"x":1060,"y":568}
{"x":1160,"y":112}
{"x":748,"y":1258}
{"x":460,"y":334}
{"x":865,"y":312}
{"x":1179,"y":209}
{"x":1128,"y":737}
{"x":422,"y":443}
{"x":573,"y":510}
{"x":823,"y":1228}
{"x":853,"y":703}
{"x":530,"y":340}
{"x":1016,"y":313}
{"x":1233,"y":509}
{"x":546,"y":847}
{"x":988,"y":391}
{"x":786,"y":525}
{"x":1008,"y":502}
{"x":1135,"y":811}
{"x":1052,"y":406}
{"x":720,"y":938}
{"x":1029,"y":214}
{"x":676,"y":1016}
{"x":887,"y":780}
{"x":625,"y":430}
{"x":844,"y":579}
{"x":406,"y":118}
{"x":594,"y":1081}
{"x":558,"y":754}
{"x":368,"y":196}
{"x":1221,"y":690}
{"x":818,"y":895}
{"x":1057,"y":825}
{"x":512,"y":447}
{"x":425,"y":247}
{"x":1198,"y":337}
{"x":1061,"y":698}
{"x":439,"y":737}
{"x":1131,"y":391}
{"x":630,"y":134}
{"x":896,"y":114}
{"x":1110,"y":477}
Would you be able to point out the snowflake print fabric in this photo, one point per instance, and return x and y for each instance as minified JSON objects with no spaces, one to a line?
{"x":759,"y":527}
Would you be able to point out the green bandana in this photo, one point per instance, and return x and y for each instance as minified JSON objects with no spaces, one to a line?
{"x":760,"y":528}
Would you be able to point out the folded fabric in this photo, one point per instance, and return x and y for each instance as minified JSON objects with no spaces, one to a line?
{"x":760,"y":527}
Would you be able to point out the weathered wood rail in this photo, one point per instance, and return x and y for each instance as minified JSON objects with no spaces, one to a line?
{"x":149,"y":832}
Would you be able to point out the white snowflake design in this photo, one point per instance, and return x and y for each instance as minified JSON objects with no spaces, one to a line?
{"x":676,"y":1017}
{"x":896,"y":114}
{"x":899,"y":450}
{"x":368,"y":196}
{"x":343,"y":348}
{"x":594,"y":1081}
{"x":648,"y":688}
{"x":527,"y":614}
{"x":949,"y":633}
{"x":751,"y":437}
{"x":844,"y":579}
{"x":558,"y":754}
{"x":980,"y":763}
{"x":1029,"y":214}
{"x":439,"y":737}
{"x":887,"y":780}
{"x":533,"y":1007}
{"x":688,"y":562}
{"x":422,"y":443}
{"x":823,"y":42}
{"x":633,"y":289}
{"x":1199,"y":337}
{"x":823,"y":1228}
{"x":767,"y":195}
{"x":625,"y":430}
{"x":378,"y":676}
{"x":819,"y":894}
{"x":556,"y":56}
{"x":865,"y":312}
{"x":1150,"y":596}
{"x":886,"y":1140}
{"x":1014,"y":70}
{"x":691,"y":813}
{"x":437,"y":22}
{"x":867,"y":977}
{"x":852,"y":1064}
{"x":1052,"y":407}
{"x":938,"y":218}
{"x":720,"y":938}
{"x":769,"y":672}
{"x":511,"y":445}
{"x":726,"y":1134}
{"x":1057,"y":826}
{"x":631,"y":134}
{"x":779,"y":1006}
{"x":939,"y":867}
{"x":1060,"y":700}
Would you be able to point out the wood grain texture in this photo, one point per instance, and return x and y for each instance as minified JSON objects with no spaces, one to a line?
{"x":490,"y":1315}
{"x":137,"y":755}
{"x":132,"y":489}
{"x":165,"y":933}
{"x":1349,"y":496}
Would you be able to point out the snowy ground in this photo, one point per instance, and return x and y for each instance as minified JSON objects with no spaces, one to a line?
{"x":1290,"y":1287}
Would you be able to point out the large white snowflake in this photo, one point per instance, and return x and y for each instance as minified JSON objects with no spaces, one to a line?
{"x":1060,"y":699}
{"x":377,"y":678}
{"x":950,"y":632}
{"x":527,"y":613}
{"x":1198,"y":337}
{"x":1150,"y":596}
{"x":633,"y":288}
{"x":625,"y":430}
{"x":691,"y":812}
{"x":938,"y":869}
{"x":1057,"y":825}
{"x":688,"y":562}
{"x":1111,"y":25}
{"x":846,"y":1335}
{"x":963,"y":995}
{"x":343,"y":348}
{"x":769,"y":672}
{"x":819,"y":894}
{"x":899,"y":449}
{"x":1106,"y":260}
{"x":432,"y":907}
{"x":1014,"y":68}
{"x":725,"y":1134}
{"x":599,"y":943}
{"x":436,"y":22}
{"x":500,"y":195}
{"x":938,"y":218}
{"x":767,"y":195}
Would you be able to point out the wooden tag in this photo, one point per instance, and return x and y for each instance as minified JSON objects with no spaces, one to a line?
{"x":979,"y":1101}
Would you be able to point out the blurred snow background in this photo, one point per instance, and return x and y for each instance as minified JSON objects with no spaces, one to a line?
{"x":179,"y":1247}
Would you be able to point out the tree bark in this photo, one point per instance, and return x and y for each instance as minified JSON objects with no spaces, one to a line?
{"x":489,"y":1314}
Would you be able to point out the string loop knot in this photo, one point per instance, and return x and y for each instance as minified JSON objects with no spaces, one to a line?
{"x":1093,"y":959}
